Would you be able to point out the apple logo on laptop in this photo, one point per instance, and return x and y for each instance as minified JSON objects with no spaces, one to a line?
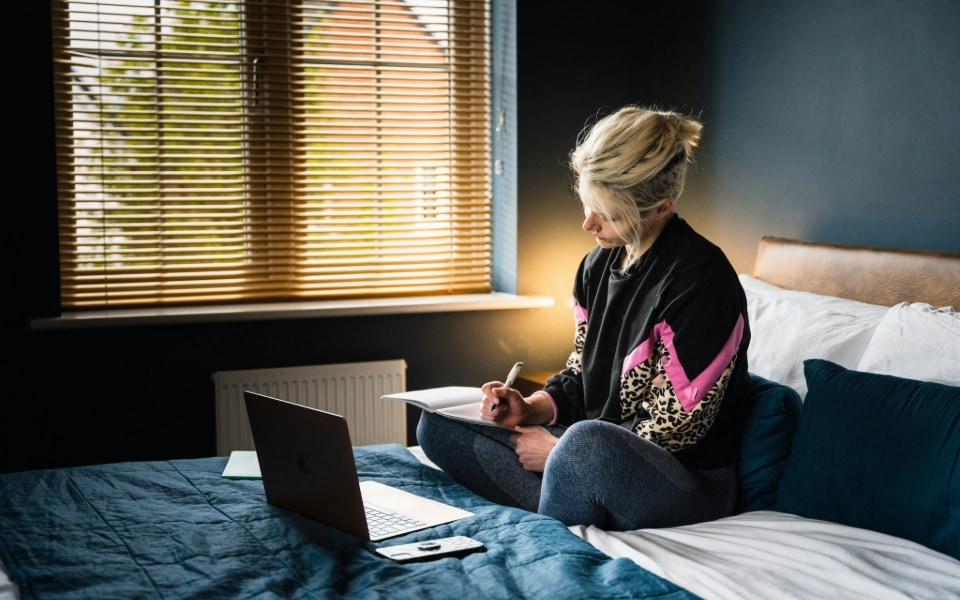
{"x":302,"y":464}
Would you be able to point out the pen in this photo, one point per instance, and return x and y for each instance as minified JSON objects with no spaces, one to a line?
{"x":511,"y":379}
{"x":512,"y":376}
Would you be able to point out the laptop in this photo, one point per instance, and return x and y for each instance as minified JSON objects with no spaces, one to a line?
{"x":306,"y":460}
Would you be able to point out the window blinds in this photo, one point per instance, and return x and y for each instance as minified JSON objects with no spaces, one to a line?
{"x":226,"y":151}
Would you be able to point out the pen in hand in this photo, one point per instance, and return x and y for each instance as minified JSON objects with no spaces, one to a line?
{"x":511,"y":379}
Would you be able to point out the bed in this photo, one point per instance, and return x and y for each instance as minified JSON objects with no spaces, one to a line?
{"x":885,"y":523}
{"x":852,"y":488}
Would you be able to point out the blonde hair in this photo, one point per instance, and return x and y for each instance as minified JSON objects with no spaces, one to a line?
{"x":632,"y":161}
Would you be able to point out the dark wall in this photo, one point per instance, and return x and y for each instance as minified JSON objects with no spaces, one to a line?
{"x":832,"y":121}
{"x":576,"y":61}
{"x":828,"y":121}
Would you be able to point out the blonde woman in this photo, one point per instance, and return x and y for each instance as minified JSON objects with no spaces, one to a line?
{"x":641,"y":428}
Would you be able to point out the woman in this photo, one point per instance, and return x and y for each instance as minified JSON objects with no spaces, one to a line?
{"x":641,"y":428}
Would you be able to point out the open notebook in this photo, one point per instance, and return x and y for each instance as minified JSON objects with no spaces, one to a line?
{"x":306,"y":461}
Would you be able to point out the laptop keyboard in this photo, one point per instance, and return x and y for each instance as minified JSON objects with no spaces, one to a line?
{"x":384,"y":523}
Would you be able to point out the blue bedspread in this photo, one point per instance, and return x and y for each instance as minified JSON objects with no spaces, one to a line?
{"x":177,"y":529}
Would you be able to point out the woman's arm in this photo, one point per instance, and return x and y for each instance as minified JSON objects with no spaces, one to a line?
{"x":674,"y":382}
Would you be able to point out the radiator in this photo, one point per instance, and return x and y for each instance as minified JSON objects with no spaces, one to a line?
{"x":349,"y":389}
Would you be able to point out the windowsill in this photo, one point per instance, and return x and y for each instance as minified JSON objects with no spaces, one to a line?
{"x":285,"y":310}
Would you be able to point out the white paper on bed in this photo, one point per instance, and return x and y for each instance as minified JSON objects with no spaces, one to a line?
{"x":788,"y":326}
{"x":242,"y":464}
{"x":916,"y":341}
{"x":764,"y":555}
{"x":8,"y":589}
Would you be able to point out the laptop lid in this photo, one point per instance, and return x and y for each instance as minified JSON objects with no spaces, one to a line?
{"x":307,"y":464}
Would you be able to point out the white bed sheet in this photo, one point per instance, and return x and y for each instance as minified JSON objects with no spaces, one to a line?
{"x":767,"y":555}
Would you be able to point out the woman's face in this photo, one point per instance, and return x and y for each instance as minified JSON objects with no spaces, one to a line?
{"x":605,"y":229}
{"x":608,"y":228}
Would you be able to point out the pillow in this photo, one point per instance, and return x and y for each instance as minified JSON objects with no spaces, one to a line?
{"x":771,"y":420}
{"x":788,"y":326}
{"x":877,"y":452}
{"x":916,"y":341}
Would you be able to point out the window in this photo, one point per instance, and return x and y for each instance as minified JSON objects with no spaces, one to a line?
{"x":230,"y":151}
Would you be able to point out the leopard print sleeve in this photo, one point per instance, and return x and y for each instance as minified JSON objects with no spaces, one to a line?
{"x":575,"y":360}
{"x":566,"y":388}
{"x":662,"y":403}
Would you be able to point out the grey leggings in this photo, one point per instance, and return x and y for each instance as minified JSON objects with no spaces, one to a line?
{"x":597,"y":474}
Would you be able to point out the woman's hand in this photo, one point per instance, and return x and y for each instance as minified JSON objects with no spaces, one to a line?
{"x":533,"y":445}
{"x":502,"y":404}
{"x":506,"y":406}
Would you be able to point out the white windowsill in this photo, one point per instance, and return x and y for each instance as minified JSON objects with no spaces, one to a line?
{"x":288,"y":310}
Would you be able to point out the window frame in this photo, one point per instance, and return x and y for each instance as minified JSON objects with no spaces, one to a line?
{"x":504,"y":262}
{"x":503,"y":183}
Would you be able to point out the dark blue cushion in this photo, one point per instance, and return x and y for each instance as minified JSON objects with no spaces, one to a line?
{"x":771,"y":421}
{"x":877,"y":452}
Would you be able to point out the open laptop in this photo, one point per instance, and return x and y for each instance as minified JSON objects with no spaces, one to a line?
{"x":306,"y":460}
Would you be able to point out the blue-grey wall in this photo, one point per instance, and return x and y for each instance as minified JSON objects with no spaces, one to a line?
{"x":835,"y":121}
{"x":824,"y":120}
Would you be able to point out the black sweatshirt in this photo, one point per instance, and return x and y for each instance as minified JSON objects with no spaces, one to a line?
{"x":662,"y":348}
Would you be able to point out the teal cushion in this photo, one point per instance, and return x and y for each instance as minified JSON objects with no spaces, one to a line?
{"x":877,"y":452}
{"x":771,"y":420}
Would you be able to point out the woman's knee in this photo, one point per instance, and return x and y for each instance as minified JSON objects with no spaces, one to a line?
{"x":585,"y":438}
{"x":423,"y":427}
{"x":433,"y":434}
{"x":585,"y":445}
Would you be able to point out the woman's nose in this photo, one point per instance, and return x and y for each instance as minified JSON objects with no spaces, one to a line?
{"x":590,"y":221}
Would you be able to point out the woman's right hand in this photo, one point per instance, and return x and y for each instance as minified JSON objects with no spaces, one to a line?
{"x":502,"y":404}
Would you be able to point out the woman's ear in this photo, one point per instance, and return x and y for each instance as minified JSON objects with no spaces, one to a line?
{"x":665,"y":208}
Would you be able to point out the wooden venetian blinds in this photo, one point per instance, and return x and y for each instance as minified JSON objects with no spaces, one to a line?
{"x":228,"y":151}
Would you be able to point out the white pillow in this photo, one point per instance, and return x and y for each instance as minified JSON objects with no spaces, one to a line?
{"x":788,"y":327}
{"x":916,"y":341}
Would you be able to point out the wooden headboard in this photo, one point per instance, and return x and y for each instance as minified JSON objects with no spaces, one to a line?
{"x":871,"y":274}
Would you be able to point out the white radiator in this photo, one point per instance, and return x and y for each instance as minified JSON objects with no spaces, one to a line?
{"x":349,"y":389}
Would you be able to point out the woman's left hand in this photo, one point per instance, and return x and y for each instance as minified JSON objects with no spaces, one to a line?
{"x":533,"y":446}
